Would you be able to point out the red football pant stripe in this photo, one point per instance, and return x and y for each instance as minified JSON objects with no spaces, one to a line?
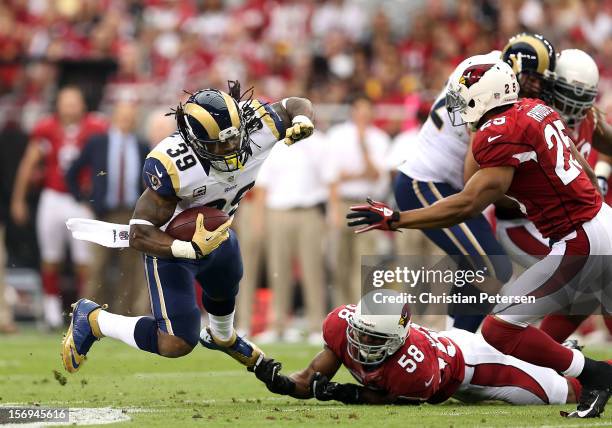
{"x":575,"y":257}
{"x":491,"y":374}
{"x":524,"y":240}
{"x":526,"y":343}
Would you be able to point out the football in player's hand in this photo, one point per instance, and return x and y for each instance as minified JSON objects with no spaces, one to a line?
{"x":183,"y":225}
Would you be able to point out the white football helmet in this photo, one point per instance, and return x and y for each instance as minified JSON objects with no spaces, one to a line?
{"x":377,"y":330}
{"x":575,"y":85}
{"x":480,"y":88}
{"x":491,"y":57}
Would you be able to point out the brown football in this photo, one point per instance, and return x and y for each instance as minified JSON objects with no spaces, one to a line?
{"x":183,"y":225}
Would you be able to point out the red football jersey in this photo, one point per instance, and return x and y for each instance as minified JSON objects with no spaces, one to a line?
{"x":428,"y":367}
{"x":62,"y":145}
{"x":553,"y":190}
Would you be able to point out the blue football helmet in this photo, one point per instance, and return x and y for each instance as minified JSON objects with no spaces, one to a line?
{"x":212,"y":123}
{"x":532,"y":58}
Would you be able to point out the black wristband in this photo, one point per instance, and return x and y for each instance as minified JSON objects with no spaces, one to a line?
{"x":197,"y":250}
{"x":281,"y":385}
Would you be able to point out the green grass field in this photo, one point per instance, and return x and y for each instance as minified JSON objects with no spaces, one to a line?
{"x":207,"y":388}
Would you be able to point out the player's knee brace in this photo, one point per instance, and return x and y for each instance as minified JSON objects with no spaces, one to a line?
{"x":218,"y":307}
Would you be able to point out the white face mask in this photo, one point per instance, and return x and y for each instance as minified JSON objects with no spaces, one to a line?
{"x":455,"y":105}
{"x":572,"y":101}
{"x":370,"y":354}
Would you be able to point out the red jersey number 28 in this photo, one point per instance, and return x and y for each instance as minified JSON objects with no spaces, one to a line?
{"x":554,"y":133}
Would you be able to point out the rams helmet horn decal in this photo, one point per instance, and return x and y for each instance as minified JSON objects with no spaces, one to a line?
{"x":213,"y":125}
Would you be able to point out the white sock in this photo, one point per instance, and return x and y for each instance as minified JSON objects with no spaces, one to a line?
{"x":577,"y":364}
{"x":52,"y":309}
{"x":222,"y":326}
{"x":118,"y":327}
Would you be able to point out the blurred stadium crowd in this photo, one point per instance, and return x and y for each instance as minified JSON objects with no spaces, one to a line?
{"x":398,"y":52}
{"x":371,"y":67}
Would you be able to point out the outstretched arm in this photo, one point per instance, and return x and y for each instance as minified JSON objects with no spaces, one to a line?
{"x":314,"y":381}
{"x":297,"y":384}
{"x":325,"y":362}
{"x":348,"y":393}
{"x":297,"y":115}
{"x":485,"y":187}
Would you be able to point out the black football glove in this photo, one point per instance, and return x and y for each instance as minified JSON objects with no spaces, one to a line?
{"x":375,"y":215}
{"x":324,"y":390}
{"x":268,"y":371}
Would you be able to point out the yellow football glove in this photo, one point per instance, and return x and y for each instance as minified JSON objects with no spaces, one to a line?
{"x":302,"y":128}
{"x":205,"y":242}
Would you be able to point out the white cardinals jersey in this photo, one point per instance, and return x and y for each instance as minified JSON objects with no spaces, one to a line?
{"x":440,"y":151}
{"x":173,"y":169}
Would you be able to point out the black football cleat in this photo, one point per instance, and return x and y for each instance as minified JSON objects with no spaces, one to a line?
{"x":591,"y":405}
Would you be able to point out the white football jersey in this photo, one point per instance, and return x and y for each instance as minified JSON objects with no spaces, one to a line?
{"x":440,"y":151}
{"x":172,"y":168}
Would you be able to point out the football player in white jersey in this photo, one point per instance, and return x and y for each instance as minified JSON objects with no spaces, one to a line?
{"x":212,"y":160}
{"x":435,"y":169}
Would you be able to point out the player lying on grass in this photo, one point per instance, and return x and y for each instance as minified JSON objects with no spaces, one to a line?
{"x":523,"y":150}
{"x":398,"y":362}
{"x":212,"y":160}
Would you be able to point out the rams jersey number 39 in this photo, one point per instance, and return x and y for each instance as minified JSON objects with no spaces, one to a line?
{"x":173,"y":169}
